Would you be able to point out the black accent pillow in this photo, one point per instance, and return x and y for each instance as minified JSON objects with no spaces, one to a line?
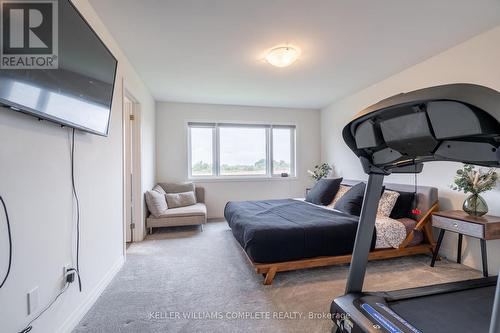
{"x":352,"y":200}
{"x":323,"y":191}
{"x":403,"y":205}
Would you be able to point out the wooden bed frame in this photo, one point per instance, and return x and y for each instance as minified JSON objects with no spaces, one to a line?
{"x":269,"y":270}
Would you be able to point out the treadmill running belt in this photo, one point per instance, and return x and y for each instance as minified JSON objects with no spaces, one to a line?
{"x":463,"y":311}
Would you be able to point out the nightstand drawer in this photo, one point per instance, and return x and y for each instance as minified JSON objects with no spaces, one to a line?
{"x":465,"y":228}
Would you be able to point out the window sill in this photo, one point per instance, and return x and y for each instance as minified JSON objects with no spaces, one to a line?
{"x":240,"y":179}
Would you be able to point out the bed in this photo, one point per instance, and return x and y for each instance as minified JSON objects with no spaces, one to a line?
{"x":289,"y":234}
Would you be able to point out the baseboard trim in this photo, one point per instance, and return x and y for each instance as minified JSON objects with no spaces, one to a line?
{"x":76,"y":316}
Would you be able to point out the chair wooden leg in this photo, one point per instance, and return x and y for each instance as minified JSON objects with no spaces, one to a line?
{"x":270,"y":276}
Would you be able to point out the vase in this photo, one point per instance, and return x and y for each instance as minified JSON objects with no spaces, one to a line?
{"x":475,"y":205}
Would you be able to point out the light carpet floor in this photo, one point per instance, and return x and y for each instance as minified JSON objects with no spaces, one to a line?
{"x":184,"y":280}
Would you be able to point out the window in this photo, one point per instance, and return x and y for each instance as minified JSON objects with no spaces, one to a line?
{"x":202,"y":163}
{"x":283,"y":141}
{"x":241,"y":150}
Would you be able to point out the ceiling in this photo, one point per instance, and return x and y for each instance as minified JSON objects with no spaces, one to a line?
{"x":211,"y":51}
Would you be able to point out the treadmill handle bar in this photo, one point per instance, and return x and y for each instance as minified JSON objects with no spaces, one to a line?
{"x":364,"y":234}
{"x":495,"y":315}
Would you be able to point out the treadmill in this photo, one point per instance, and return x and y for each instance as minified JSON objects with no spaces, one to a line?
{"x":455,"y":122}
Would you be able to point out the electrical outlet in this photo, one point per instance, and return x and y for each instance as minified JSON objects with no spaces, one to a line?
{"x":33,"y":300}
{"x":66,"y":268}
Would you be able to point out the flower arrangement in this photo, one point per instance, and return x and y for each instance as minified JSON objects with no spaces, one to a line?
{"x":320,"y":171}
{"x":470,"y":180}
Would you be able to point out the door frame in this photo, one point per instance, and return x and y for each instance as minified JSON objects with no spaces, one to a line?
{"x":137,"y":232}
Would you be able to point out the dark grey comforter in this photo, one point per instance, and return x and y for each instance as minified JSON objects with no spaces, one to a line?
{"x":285,"y":230}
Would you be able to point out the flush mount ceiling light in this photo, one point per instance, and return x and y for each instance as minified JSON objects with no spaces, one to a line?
{"x":282,"y":56}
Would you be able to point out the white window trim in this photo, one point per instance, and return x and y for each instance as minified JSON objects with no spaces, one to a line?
{"x":270,"y":175}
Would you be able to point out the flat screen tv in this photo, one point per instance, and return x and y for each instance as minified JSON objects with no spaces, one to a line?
{"x":78,"y":93}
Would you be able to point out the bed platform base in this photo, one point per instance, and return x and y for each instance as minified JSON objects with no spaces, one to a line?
{"x":269,"y":270}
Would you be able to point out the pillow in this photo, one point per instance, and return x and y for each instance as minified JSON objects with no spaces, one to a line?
{"x":323,"y":191}
{"x":352,"y":200}
{"x":159,"y":189}
{"x":183,"y":199}
{"x":403,"y":205}
{"x":386,"y":203}
{"x":156,"y":202}
{"x":342,"y":190}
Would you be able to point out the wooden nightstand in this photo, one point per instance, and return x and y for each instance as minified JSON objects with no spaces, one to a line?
{"x":484,"y":228}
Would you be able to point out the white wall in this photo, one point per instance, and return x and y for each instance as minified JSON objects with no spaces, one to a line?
{"x":172,"y":154}
{"x":35,"y":182}
{"x":474,"y":61}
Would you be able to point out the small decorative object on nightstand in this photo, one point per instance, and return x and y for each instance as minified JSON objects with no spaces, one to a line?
{"x":482,"y":227}
{"x":470,"y":180}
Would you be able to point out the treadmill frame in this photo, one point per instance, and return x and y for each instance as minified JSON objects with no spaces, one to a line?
{"x":482,"y":98}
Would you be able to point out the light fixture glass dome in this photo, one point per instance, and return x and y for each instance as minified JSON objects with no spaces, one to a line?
{"x":282,"y":56}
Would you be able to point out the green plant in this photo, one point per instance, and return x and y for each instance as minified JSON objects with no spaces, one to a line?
{"x":320,"y":171}
{"x":470,"y":180}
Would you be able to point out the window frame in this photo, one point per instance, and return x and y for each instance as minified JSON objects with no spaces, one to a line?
{"x":216,"y":175}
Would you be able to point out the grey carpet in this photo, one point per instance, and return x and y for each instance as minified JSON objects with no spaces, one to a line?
{"x":183,"y":272}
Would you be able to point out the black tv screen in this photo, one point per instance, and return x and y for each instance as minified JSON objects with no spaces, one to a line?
{"x":78,"y":91}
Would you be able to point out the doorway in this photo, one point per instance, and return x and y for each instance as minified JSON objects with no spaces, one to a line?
{"x":131,"y":167}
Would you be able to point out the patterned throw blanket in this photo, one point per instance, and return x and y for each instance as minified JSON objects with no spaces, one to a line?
{"x":390,"y":232}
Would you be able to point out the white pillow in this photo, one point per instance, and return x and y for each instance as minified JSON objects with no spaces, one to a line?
{"x":157,"y":204}
{"x":387,"y":203}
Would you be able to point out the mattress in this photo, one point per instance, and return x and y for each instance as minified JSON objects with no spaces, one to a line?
{"x":288,"y":229}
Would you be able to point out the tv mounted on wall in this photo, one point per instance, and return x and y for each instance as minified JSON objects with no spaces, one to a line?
{"x":77,"y":91}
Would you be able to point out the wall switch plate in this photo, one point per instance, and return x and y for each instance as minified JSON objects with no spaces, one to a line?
{"x":33,"y":300}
